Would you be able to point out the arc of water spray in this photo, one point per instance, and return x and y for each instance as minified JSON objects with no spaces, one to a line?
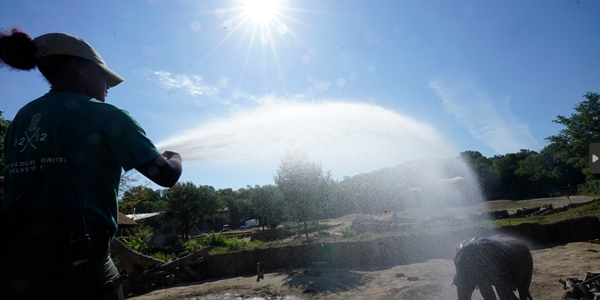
{"x":333,"y":131}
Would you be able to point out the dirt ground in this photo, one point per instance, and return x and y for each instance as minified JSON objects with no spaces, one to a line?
{"x":429,"y":280}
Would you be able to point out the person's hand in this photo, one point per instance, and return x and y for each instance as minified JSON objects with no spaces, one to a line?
{"x":169,"y":154}
{"x":164,"y":169}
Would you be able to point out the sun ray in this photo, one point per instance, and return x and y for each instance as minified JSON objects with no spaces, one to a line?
{"x":277,"y":61}
{"x":248,"y":54}
{"x":266,"y":23}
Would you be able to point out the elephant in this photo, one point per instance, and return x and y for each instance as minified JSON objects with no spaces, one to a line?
{"x":498,"y":261}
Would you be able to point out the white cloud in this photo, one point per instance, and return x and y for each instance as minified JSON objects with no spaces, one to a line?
{"x":193,"y":85}
{"x":474,"y":109}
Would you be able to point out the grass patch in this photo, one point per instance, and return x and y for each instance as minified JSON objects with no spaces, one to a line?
{"x":468,"y":225}
{"x":162,"y":256}
{"x":591,"y":209}
{"x":219,"y":244}
{"x":311,"y":227}
{"x":347,"y":232}
{"x":140,"y":240}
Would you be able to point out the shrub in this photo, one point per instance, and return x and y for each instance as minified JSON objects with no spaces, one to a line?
{"x":192,"y":245}
{"x":236,"y":244}
{"x":140,"y":240}
{"x":589,"y":188}
{"x":218,"y":242}
{"x":215,"y":240}
{"x":162,"y":256}
{"x":347,"y":232}
{"x":290,"y":225}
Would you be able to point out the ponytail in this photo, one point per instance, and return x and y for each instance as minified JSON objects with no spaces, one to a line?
{"x":17,"y":50}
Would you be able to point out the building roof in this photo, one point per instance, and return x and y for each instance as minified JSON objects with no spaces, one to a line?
{"x":137,"y":217}
{"x":124,"y":220}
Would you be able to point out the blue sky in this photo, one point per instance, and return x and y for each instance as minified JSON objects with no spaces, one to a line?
{"x":356,"y":85}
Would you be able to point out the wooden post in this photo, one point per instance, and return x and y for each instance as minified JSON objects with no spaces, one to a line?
{"x":259,"y":273}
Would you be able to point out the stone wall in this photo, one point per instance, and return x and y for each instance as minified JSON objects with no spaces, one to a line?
{"x":388,"y":251}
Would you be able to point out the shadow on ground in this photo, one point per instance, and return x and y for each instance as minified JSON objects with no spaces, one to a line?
{"x":320,"y":280}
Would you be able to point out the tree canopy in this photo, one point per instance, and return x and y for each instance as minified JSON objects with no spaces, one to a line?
{"x":581,"y":128}
{"x":305,"y":187}
{"x":188,"y":204}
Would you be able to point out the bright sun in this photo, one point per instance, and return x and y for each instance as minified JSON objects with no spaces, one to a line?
{"x":259,"y":23}
{"x":261,"y":10}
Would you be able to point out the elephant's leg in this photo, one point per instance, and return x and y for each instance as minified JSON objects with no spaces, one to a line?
{"x":487,"y":292}
{"x":505,"y":292}
{"x":524,"y":293}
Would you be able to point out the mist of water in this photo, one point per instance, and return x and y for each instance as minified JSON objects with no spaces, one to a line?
{"x":347,"y":138}
{"x":354,"y":136}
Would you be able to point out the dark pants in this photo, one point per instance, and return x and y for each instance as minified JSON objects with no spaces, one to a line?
{"x":37,"y":263}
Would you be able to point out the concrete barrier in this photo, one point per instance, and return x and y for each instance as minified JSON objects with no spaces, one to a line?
{"x":383,"y":252}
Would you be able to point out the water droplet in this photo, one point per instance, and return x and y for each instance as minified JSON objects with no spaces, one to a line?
{"x":306,"y":58}
{"x":353,"y":76}
{"x":228,"y":25}
{"x":148,"y":51}
{"x":196,"y":27}
{"x":202,"y":7}
{"x":341,"y":82}
{"x":264,"y":39}
{"x":347,"y":54}
{"x":219,"y":12}
{"x":282,"y":29}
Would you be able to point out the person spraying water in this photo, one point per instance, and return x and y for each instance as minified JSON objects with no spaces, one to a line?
{"x":65,"y":152}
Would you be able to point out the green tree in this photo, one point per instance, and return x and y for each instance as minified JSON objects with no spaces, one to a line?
{"x":537,"y":171}
{"x":483,"y":167}
{"x":305,"y":187}
{"x":128,"y":179}
{"x":238,"y":203}
{"x":562,"y":172}
{"x":581,"y":129}
{"x":142,"y":199}
{"x":132,"y":197}
{"x":188,"y":204}
{"x":511,"y":184}
{"x":268,"y":205}
{"x":154,"y":203}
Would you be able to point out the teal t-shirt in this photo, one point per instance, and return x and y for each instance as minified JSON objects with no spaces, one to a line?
{"x":82,"y":145}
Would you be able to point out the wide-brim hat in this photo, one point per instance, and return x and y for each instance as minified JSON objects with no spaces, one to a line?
{"x":66,"y":44}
